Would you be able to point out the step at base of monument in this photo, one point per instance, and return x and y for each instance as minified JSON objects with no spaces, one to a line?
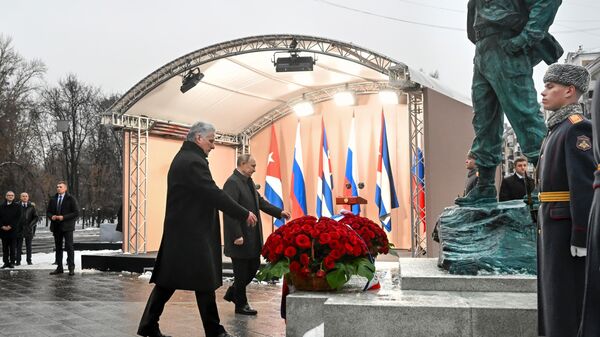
{"x":392,"y":311}
{"x":424,"y":274}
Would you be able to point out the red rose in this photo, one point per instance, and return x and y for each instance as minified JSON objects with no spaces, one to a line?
{"x":272,"y":257}
{"x":328,"y":263}
{"x":290,"y":251}
{"x":348,"y":247}
{"x":303,"y":241}
{"x":320,"y":273}
{"x":305,"y":271}
{"x":304,"y":259}
{"x":279,"y":249}
{"x":336,"y":254}
{"x":356,"y":251}
{"x":324,"y":238}
{"x":307,"y":228}
{"x":294,"y":266}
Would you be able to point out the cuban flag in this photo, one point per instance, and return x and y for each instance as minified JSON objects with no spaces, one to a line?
{"x":418,"y":174}
{"x":325,"y":179}
{"x":385,"y":193}
{"x":273,"y":187}
{"x":351,"y":175}
{"x":298,"y":194}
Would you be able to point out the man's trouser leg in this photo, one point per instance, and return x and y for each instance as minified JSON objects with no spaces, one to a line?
{"x":516,"y":93}
{"x":58,"y":246}
{"x":19,"y":249}
{"x":154,"y":308}
{"x":6,"y":251}
{"x":70,"y":249}
{"x":209,"y":313}
{"x":28,"y":240}
{"x":13,"y":250}
{"x":487,"y":122}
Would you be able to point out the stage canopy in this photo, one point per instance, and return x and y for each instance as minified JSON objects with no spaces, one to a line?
{"x":241,"y":92}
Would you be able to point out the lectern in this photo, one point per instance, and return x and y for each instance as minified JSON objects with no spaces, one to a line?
{"x":353,"y":200}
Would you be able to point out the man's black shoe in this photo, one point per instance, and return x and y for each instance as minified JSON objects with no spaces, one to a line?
{"x":71,"y":272}
{"x":229,"y":295}
{"x":11,"y":266}
{"x":4,"y":266}
{"x":246,"y":310}
{"x":57,"y":271}
{"x":153,"y":334}
{"x":29,"y":263}
{"x":17,"y":263}
{"x":225,"y":334}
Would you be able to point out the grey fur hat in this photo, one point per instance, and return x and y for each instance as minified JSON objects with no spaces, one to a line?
{"x":568,"y":74}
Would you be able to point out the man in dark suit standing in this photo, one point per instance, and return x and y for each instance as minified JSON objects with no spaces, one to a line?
{"x":189,"y":257}
{"x":10,"y":215}
{"x":243,"y":243}
{"x":514,"y":187}
{"x":63,"y":211}
{"x":28,"y":223}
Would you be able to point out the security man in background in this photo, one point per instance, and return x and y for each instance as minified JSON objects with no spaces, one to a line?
{"x":565,"y":172}
{"x":518,"y":185}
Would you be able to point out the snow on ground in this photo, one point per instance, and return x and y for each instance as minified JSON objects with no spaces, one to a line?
{"x":43,"y":261}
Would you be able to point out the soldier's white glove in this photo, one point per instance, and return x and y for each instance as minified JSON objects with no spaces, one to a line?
{"x":578,"y":251}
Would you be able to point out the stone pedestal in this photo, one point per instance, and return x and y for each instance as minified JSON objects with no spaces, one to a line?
{"x":423,"y":302}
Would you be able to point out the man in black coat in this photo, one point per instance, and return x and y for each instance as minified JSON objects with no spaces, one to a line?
{"x":189,"y":257}
{"x":63,"y":211}
{"x":27,"y":225}
{"x":243,"y":243}
{"x":566,"y":170}
{"x":514,"y":187}
{"x":10,"y":214}
{"x":590,"y":320}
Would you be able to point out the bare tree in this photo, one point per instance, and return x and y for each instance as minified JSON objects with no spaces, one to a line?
{"x":78,"y":104}
{"x":19,"y":80}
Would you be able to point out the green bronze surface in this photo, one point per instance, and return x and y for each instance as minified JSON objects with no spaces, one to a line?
{"x":496,"y":238}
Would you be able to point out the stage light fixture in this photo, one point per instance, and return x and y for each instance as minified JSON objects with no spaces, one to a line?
{"x":388,"y":96}
{"x":304,"y":108}
{"x":294,"y":63}
{"x":190,"y":79}
{"x":344,"y":98}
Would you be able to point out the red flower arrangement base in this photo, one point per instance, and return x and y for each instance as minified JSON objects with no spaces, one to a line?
{"x":309,"y":283}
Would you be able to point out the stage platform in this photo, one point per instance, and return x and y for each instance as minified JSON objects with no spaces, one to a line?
{"x":419,"y":300}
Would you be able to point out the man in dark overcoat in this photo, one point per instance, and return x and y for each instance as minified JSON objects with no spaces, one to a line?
{"x":63,"y":211}
{"x":517,"y":185}
{"x":243,"y":243}
{"x":10,"y":215}
{"x":590,"y":320}
{"x":27,"y":226}
{"x":566,"y":169}
{"x":189,"y":257}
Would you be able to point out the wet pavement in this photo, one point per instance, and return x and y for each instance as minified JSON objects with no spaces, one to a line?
{"x":33,"y":303}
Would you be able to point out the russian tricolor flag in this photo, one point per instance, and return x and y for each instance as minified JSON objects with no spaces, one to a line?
{"x":273,"y":187}
{"x":385,"y":193}
{"x":351,"y":175}
{"x":298,"y":194}
{"x":325,"y":179}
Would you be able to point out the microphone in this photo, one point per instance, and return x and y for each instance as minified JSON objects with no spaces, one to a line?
{"x":257,"y":186}
{"x":361,"y":185}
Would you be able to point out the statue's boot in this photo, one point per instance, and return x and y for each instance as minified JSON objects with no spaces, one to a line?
{"x":485,"y":190}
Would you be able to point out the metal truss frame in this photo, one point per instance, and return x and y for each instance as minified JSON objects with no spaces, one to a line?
{"x":315,"y":96}
{"x":417,"y":184}
{"x":137,"y":129}
{"x":311,"y":44}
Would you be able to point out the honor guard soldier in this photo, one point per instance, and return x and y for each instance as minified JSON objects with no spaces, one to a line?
{"x":565,"y":172}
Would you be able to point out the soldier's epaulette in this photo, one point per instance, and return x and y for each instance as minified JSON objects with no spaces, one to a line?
{"x":574,"y":119}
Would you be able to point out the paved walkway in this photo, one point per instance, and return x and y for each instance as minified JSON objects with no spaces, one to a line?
{"x":35,"y":304}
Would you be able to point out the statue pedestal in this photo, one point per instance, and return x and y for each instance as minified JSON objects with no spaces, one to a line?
{"x":497,"y":238}
{"x":418,"y":299}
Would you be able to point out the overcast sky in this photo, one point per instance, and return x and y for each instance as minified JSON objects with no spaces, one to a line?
{"x":115,"y":43}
